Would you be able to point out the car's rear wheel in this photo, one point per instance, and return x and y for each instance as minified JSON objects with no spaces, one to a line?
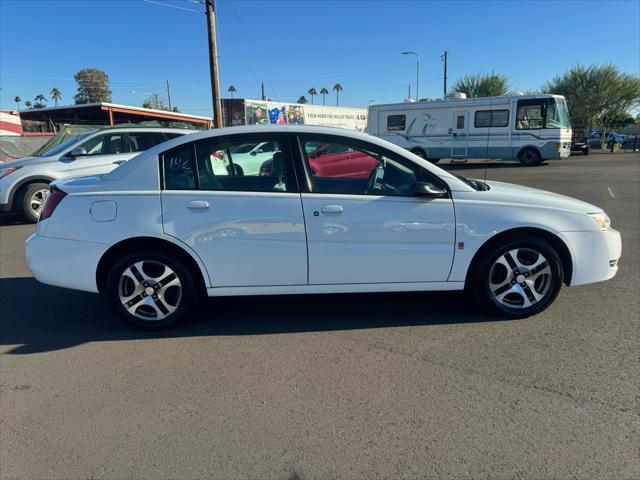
{"x":31,"y":200}
{"x":520,"y":278}
{"x":529,"y":157}
{"x":151,"y":289}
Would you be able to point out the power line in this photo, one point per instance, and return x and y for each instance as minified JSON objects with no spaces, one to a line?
{"x":172,"y":6}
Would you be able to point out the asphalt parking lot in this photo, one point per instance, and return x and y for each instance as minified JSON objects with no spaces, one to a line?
{"x":334,"y":386}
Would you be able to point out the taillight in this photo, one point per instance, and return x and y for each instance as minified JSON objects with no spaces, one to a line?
{"x":55,"y":197}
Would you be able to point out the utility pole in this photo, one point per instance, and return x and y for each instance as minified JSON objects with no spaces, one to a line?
{"x":262,"y":97}
{"x":213,"y":65}
{"x":169,"y":95}
{"x":409,"y":95}
{"x":444,"y":57}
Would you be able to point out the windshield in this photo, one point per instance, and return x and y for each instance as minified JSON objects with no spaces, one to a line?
{"x":557,"y":115}
{"x":64,"y":145}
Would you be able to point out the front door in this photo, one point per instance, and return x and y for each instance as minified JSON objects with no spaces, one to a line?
{"x":248,"y":229}
{"x":364,"y":225}
{"x":460,"y":135}
{"x":104,"y":152}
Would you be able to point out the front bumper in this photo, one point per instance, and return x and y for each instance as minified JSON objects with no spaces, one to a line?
{"x":595,"y":255}
{"x":64,"y":263}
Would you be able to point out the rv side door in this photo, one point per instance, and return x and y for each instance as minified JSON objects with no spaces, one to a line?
{"x":460,"y":134}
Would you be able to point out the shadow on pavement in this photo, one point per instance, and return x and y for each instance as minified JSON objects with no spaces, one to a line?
{"x":39,"y":318}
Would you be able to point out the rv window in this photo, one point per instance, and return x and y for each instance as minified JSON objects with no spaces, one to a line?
{"x":483,"y":119}
{"x":396,"y":122}
{"x":491,"y":118}
{"x":499,"y":118}
{"x":530,"y":114}
{"x":460,"y":122}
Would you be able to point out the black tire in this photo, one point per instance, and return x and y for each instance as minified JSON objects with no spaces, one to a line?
{"x":27,"y":198}
{"x":585,"y":151}
{"x":178,"y":305}
{"x":486,"y":272}
{"x":529,"y":157}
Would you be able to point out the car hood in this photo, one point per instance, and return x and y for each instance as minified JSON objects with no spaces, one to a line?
{"x":26,"y":162}
{"x":522,"y":195}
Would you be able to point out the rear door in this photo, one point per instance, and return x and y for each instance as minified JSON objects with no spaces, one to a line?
{"x":248,"y":229}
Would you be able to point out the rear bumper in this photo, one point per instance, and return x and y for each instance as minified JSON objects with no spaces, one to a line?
{"x":64,"y":263}
{"x":595,"y":255}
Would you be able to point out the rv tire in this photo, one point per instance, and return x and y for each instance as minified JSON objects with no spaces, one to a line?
{"x":529,"y":157}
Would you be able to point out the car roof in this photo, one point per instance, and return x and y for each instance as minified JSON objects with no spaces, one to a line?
{"x":146,"y":129}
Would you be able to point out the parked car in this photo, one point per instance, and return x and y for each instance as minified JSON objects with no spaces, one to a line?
{"x":165,"y":228}
{"x":580,"y":146}
{"x":24,"y":183}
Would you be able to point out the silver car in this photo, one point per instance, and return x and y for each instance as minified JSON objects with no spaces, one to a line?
{"x":24,"y":182}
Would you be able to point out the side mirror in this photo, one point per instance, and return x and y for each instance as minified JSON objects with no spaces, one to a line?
{"x":78,"y":152}
{"x":425,"y":189}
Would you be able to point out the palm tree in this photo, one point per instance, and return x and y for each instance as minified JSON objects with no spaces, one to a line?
{"x":302,"y":100}
{"x":337,"y":88}
{"x":39,"y":100}
{"x":55,"y":95}
{"x":312,"y":92}
{"x":17,"y":100}
{"x":324,"y":92}
{"x":231,"y":90}
{"x":27,"y":104}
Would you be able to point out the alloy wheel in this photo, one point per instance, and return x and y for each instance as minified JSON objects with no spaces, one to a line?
{"x":520,"y":278}
{"x":149,"y":290}
{"x":36,"y":202}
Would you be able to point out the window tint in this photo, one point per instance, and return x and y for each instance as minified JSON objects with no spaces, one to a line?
{"x":141,"y":141}
{"x":396,"y":122}
{"x":460,"y":122}
{"x":349,"y":169}
{"x":491,"y":118}
{"x":249,"y":166}
{"x":530,"y":114}
{"x":482,"y":119}
{"x":107,"y":144}
{"x":179,"y":169}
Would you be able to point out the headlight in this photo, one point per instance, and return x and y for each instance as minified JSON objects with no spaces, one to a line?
{"x":6,"y":171}
{"x":601,"y":219}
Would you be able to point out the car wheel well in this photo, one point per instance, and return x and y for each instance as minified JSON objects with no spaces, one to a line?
{"x":24,"y":184}
{"x":419,"y":151}
{"x":555,"y":241}
{"x":132,"y":245}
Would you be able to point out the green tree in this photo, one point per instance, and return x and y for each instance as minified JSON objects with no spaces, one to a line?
{"x":482,"y":85}
{"x":93,"y":86}
{"x":17,"y":99}
{"x":598,"y":95}
{"x":337,"y":88}
{"x":302,"y":100}
{"x":39,"y":100}
{"x":28,"y":104}
{"x":231,"y":90}
{"x":324,"y":92}
{"x":56,"y":95}
{"x":312,"y":92}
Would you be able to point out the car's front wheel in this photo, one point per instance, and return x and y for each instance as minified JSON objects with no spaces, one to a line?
{"x":31,"y":200}
{"x":520,"y":278}
{"x":151,"y":289}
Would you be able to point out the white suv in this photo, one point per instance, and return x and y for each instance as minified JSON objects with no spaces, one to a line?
{"x":24,"y":183}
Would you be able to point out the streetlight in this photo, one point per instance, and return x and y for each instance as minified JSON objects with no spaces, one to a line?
{"x":417,"y":70}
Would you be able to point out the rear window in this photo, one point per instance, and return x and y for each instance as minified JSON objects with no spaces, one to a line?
{"x":396,"y":123}
{"x":179,"y":169}
{"x":141,"y":141}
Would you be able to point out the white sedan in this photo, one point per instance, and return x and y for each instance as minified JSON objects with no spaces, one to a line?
{"x":357,"y":214}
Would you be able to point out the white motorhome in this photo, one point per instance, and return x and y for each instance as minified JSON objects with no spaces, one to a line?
{"x":530,"y":128}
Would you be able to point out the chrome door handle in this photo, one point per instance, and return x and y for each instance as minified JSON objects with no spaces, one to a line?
{"x":332,"y":209}
{"x":198,"y":205}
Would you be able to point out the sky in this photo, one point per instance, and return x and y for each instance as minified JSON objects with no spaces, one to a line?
{"x":294,"y":45}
